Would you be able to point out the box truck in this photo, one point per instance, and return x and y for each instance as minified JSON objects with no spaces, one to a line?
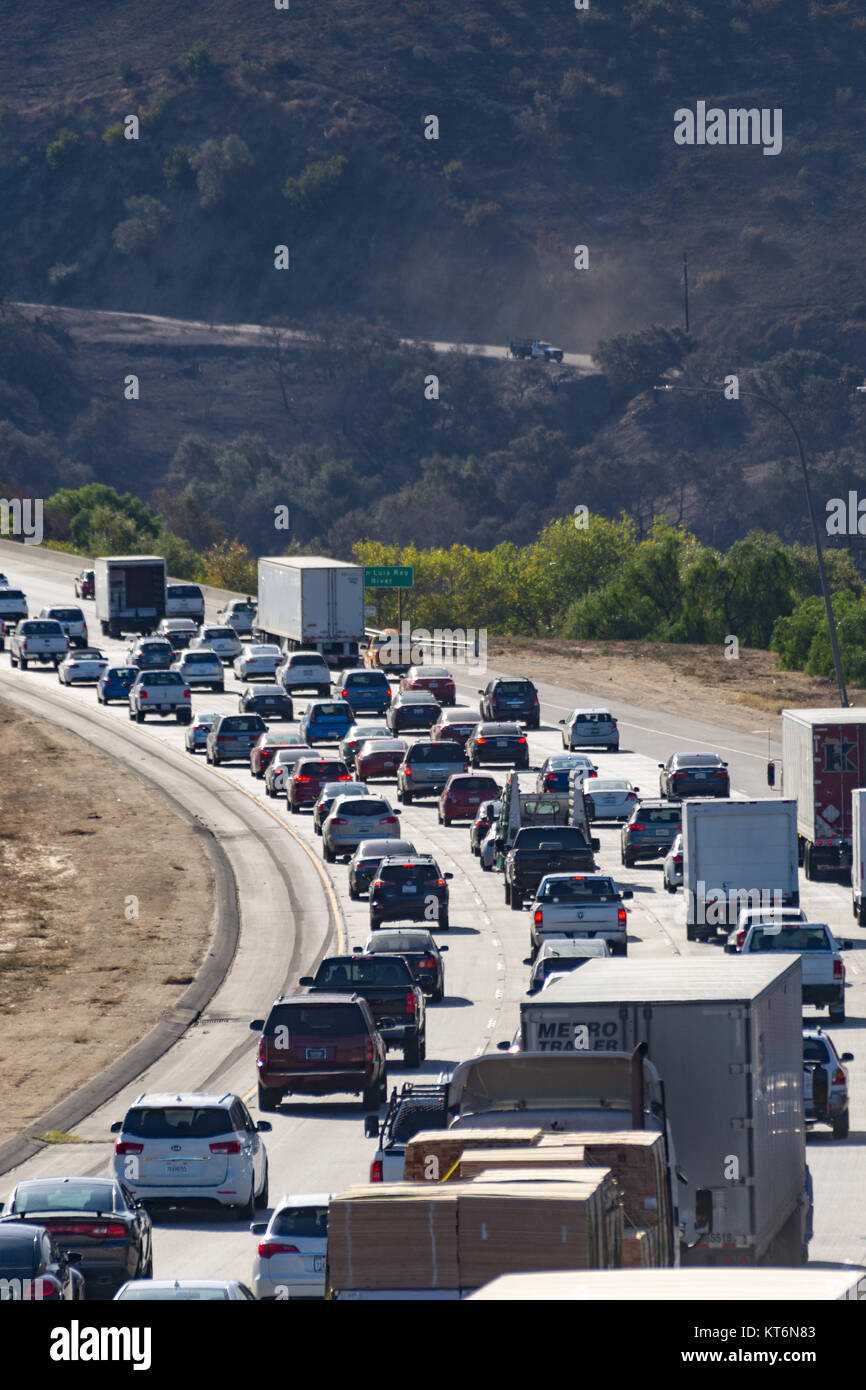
{"x":737,"y":854}
{"x":311,"y":603}
{"x":726,"y":1038}
{"x":823,"y":762}
{"x":858,"y":854}
{"x":129,"y":591}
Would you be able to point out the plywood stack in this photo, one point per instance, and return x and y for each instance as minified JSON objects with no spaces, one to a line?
{"x":472,"y":1162}
{"x":611,"y":1230}
{"x":432,"y":1154}
{"x":639,"y":1248}
{"x":519,"y":1226}
{"x":637,"y":1159}
{"x":393,"y":1236}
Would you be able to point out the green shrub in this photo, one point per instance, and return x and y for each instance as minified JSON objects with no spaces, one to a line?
{"x":220,"y":168}
{"x":197,"y":62}
{"x":480,"y":212}
{"x":314,"y":185}
{"x":113,"y":134}
{"x":452,"y":170}
{"x":60,"y":274}
{"x":64,"y":149}
{"x":177,"y":170}
{"x":142,"y":227}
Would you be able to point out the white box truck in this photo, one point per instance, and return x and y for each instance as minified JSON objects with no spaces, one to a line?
{"x":823,"y":762}
{"x":726,"y":1038}
{"x":311,"y":603}
{"x":129,"y":592}
{"x":858,"y":854}
{"x":737,"y":854}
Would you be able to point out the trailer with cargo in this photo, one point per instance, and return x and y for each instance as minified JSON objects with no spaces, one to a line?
{"x":129,"y":593}
{"x":726,"y":1037}
{"x":823,"y":762}
{"x":312,"y":603}
{"x":737,"y":854}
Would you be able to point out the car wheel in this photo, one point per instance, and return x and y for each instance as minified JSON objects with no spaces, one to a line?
{"x":445,"y":820}
{"x":23,"y":663}
{"x":262,"y":1199}
{"x":247,"y":1212}
{"x":628,"y":859}
{"x":837,"y":1012}
{"x":444,"y":921}
{"x":861,"y":913}
{"x":516,"y":900}
{"x":214,"y":759}
{"x":437,"y":996}
{"x":292,"y":807}
{"x":327,"y":853}
{"x":219,"y":689}
{"x":353,"y":892}
{"x":691,"y":934}
{"x":146,"y":1272}
{"x":412,"y":1053}
{"x":139,"y":716}
{"x":375,"y":922}
{"x":841,"y":1126}
{"x":406,"y":798}
{"x":371,"y":1096}
{"x":269,"y":1098}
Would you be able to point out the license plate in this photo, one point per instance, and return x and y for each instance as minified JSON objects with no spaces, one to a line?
{"x":410,"y":888}
{"x":175,"y":1167}
{"x":316,"y":1054}
{"x":318,"y":1264}
{"x":502,"y":743}
{"x":699,"y":776}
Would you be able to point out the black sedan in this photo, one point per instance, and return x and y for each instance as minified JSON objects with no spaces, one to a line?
{"x":367,"y":858}
{"x":33,"y":1267}
{"x":693,"y":774}
{"x":413,"y":709}
{"x":419,"y":950}
{"x":497,"y":743}
{"x":267,"y":700}
{"x":97,"y":1217}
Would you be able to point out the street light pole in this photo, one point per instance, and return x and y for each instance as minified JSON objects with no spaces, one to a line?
{"x":822,"y":573}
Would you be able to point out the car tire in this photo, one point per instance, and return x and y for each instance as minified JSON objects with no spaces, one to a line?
{"x":406,"y":798}
{"x":375,"y":922}
{"x":841,"y":1126}
{"x":444,"y":922}
{"x":219,"y":689}
{"x":438,"y":995}
{"x":353,"y":892}
{"x":619,"y":948}
{"x":327,"y":854}
{"x":146,"y":1272}
{"x":444,"y":820}
{"x":22,"y":661}
{"x":293,"y":810}
{"x":691,"y":933}
{"x":371,"y":1096}
{"x":837,"y":1012}
{"x":628,"y":860}
{"x":516,"y":900}
{"x":412,"y":1053}
{"x":262,"y":1199}
{"x":269,"y":1098}
{"x":507,"y":888}
{"x":861,"y":914}
{"x":139,"y":716}
{"x":247,"y":1212}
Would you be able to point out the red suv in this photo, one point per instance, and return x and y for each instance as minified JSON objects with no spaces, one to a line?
{"x":463,"y":793}
{"x":318,"y":1046}
{"x":309,"y":775}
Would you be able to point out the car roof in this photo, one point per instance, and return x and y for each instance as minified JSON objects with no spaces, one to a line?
{"x":459,"y":714}
{"x":417,"y":697}
{"x":500,"y":726}
{"x":401,"y":859}
{"x":183,"y":1098}
{"x":321,"y":997}
{"x":303,"y":1199}
{"x":404,"y":933}
{"x":74,"y":1180}
{"x":368,"y":848}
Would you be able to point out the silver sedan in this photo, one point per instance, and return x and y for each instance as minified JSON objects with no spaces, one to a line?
{"x":280,"y":765}
{"x":610,"y":798}
{"x":352,"y":819}
{"x":83,"y":664}
{"x":258,"y":661}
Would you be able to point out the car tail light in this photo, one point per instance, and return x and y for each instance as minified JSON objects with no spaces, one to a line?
{"x":186,"y":694}
{"x":263,"y":1050}
{"x":720,"y":773}
{"x":678,"y":776}
{"x":427,"y":963}
{"x":839,"y":1077}
{"x":227,"y":1146}
{"x":339,"y":820}
{"x":221,"y":738}
{"x":635,"y":826}
{"x":345,"y":694}
{"x":369,"y":1050}
{"x":678,"y":860}
{"x":40,"y":1289}
{"x":613,"y":723}
{"x":521,"y":740}
{"x":620,"y":916}
{"x":303,"y":778}
{"x":538,"y":916}
{"x":72,"y":666}
{"x":389,"y":820}
{"x":344,"y":777}
{"x":114,"y":1231}
{"x":411,"y":1005}
{"x":838,"y":970}
{"x":741,"y":936}
{"x":631,"y":796}
{"x":407,"y":772}
{"x":592,"y":773}
{"x":267,"y":1248}
{"x":125,"y":1147}
{"x":24,"y":644}
{"x":480,"y":740}
{"x":376,"y":1170}
{"x":535,"y":699}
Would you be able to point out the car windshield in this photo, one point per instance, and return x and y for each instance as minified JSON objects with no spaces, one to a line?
{"x":45,"y":1195}
{"x":123,"y":673}
{"x":199,"y":658}
{"x":439,"y":672}
{"x":12,"y":593}
{"x":314,"y":769}
{"x":177,"y":1122}
{"x":436,"y":753}
{"x":513,"y":688}
{"x":380,"y":745}
{"x":593,"y":717}
{"x":578,"y":890}
{"x":558,"y":965}
{"x":153,"y":1293}
{"x":335,"y":709}
{"x":697,"y":760}
{"x":397,"y":943}
{"x":214,"y":633}
{"x":409,"y":873}
{"x":266,"y":650}
{"x":160,"y":678}
{"x":183,"y":591}
{"x":327,"y":1020}
{"x":364,"y":807}
{"x":790,"y":939}
{"x":608,"y":784}
{"x":364,"y":970}
{"x":552,"y":838}
{"x":417,"y":697}
{"x":377,"y":678}
{"x":67,"y":615}
{"x":19,"y":1254}
{"x":44,"y":628}
{"x":86,"y":654}
{"x":815,"y":1050}
{"x":307,"y":659}
{"x":243,"y":724}
{"x":300,"y":1221}
{"x":660,"y":815}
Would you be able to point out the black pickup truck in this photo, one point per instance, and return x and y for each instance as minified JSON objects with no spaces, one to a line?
{"x":540,"y":850}
{"x":387,"y":984}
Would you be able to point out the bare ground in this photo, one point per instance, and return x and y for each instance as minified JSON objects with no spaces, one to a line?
{"x":745,"y":693}
{"x":84,"y":845}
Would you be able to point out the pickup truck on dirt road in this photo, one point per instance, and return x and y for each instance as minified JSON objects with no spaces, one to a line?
{"x":585,"y":907}
{"x":387,"y":984}
{"x":819,"y":952}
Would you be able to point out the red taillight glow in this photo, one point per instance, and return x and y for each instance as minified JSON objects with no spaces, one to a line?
{"x":838,"y":970}
{"x":113,"y":1231}
{"x":303,"y":778}
{"x":389,"y":820}
{"x":376,"y":1170}
{"x":620,"y":916}
{"x":143,"y":696}
{"x":369,"y":1051}
{"x":634,"y":826}
{"x":521,"y":740}
{"x":345,"y":694}
{"x":40,"y":1289}
{"x":339,"y":820}
{"x":481,"y":740}
{"x":538,"y":916}
{"x":267,"y":1248}
{"x":839,"y":1077}
{"x":123,"y":1147}
{"x":427,"y":963}
{"x":228,"y":1146}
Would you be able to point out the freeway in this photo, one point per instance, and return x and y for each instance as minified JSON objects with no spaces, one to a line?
{"x":293,"y":908}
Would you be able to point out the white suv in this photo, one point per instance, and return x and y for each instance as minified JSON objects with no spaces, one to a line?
{"x":590,"y":728}
{"x":192,"y":1149}
{"x":200,"y":667}
{"x":290,"y":1260}
{"x":222,"y":640}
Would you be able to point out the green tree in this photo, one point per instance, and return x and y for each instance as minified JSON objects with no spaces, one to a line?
{"x":221,"y":168}
{"x":229,"y":565}
{"x":315,"y":184}
{"x":138,"y":231}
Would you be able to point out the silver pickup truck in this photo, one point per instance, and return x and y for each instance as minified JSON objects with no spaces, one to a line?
{"x":819,"y":952}
{"x":581,"y":906}
{"x":38,"y":639}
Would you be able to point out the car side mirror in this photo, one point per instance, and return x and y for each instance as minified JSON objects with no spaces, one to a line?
{"x":595,"y":844}
{"x":257,"y":1025}
{"x":442,"y":948}
{"x":305,"y":980}
{"x":72,"y":1257}
{"x":481,"y":692}
{"x":527,"y":960}
{"x":661,"y":765}
{"x":846,"y":945}
{"x":371,"y":1126}
{"x":635,"y":789}
{"x":503,"y":1046}
{"x":560,"y":721}
{"x":258,"y":1228}
{"x":264,"y":1126}
{"x":847,"y":1057}
{"x":447,"y":875}
{"x":626,"y":893}
{"x":116,"y":1127}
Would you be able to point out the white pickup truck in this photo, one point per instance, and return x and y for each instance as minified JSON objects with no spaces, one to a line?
{"x":38,"y":639}
{"x":819,"y":952}
{"x":581,"y":907}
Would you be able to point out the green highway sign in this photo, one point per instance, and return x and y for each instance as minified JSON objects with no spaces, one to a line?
{"x":389,"y":576}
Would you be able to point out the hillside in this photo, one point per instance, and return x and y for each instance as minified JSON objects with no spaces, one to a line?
{"x":306,"y":128}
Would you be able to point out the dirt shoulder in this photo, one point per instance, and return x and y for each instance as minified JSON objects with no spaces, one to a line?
{"x":745,"y":693}
{"x":106,"y":912}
